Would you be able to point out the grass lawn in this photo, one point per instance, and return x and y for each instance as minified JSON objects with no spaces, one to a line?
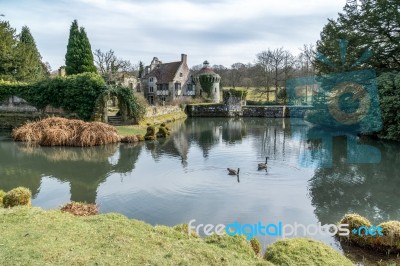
{"x":141,"y":128}
{"x":31,"y":236}
{"x":131,"y":130}
{"x":254,"y":95}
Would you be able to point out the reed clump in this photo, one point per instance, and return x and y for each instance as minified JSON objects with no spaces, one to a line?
{"x":57,"y":131}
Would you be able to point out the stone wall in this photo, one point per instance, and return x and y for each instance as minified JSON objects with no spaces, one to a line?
{"x":221,"y":110}
{"x":264,"y":111}
{"x":152,"y":111}
{"x":12,"y":120}
{"x":209,"y":110}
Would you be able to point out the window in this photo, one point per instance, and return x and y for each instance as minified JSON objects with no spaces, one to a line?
{"x":189,"y":87}
{"x":138,"y":88}
{"x":177,"y":86}
{"x":151,"y":89}
{"x":165,"y":87}
{"x":180,"y":74}
{"x":151,"y":100}
{"x":151,"y":79}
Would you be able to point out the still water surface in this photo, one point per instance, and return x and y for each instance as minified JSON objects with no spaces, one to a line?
{"x":184,"y":177}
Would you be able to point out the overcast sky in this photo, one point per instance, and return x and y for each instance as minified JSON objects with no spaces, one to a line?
{"x":221,"y":31}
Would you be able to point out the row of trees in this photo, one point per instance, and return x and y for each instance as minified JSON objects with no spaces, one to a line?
{"x":19,"y":56}
{"x":21,"y":60}
{"x":270,"y":71}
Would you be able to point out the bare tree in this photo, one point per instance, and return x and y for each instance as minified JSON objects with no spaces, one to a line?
{"x":306,"y":65}
{"x":236,"y":73}
{"x":109,"y":66}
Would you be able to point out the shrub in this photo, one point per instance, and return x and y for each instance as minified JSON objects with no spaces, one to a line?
{"x":242,"y":94}
{"x":2,"y":194}
{"x":163,"y":132}
{"x":151,"y":133}
{"x":17,"y":196}
{"x":303,"y":251}
{"x":80,"y":209}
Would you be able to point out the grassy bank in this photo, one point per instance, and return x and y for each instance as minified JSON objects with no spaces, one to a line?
{"x":36,"y":237}
{"x":32,"y":236}
{"x":157,"y":120}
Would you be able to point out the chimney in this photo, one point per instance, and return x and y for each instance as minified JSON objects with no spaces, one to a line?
{"x":184,"y":58}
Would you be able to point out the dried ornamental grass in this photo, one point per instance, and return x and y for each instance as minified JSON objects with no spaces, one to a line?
{"x":56,"y":131}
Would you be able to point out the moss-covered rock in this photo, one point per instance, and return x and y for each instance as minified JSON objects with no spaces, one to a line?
{"x":303,"y":251}
{"x":390,"y":241}
{"x":163,"y":132}
{"x":140,"y":137}
{"x":17,"y":196}
{"x":2,"y":194}
{"x":151,"y":133}
{"x":356,"y":221}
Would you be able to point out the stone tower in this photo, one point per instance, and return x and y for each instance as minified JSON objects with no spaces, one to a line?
{"x":207,"y":77}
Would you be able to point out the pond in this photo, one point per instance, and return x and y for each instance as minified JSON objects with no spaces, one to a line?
{"x":185,"y":177}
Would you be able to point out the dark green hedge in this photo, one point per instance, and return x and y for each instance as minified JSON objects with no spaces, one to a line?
{"x":237,"y":93}
{"x":75,"y":94}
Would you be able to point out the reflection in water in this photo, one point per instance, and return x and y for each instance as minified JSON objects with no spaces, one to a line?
{"x":83,"y":168}
{"x":183,"y":177}
{"x":367,"y":189}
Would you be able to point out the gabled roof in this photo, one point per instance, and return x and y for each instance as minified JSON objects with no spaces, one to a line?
{"x":164,"y":72}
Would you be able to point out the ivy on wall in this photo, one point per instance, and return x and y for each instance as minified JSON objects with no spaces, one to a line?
{"x":128,"y":104}
{"x":206,"y":82}
{"x":77,"y":94}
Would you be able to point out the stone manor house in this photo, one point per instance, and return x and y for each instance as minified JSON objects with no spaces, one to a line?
{"x":163,"y":83}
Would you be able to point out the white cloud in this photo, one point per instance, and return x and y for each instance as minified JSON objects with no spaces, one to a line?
{"x":220,"y":30}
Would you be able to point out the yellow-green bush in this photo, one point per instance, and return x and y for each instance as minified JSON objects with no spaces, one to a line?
{"x":17,"y":196}
{"x":303,"y":251}
{"x":2,"y":194}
